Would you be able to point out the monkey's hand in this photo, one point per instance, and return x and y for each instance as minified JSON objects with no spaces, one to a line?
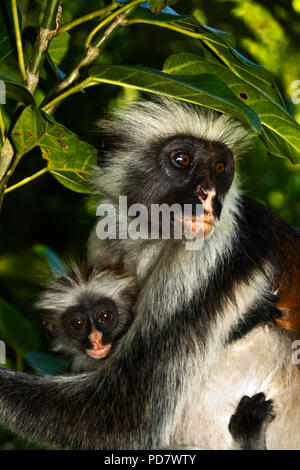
{"x":249,"y":423}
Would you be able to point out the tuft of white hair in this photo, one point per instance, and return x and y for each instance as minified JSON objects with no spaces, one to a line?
{"x":162,"y":118}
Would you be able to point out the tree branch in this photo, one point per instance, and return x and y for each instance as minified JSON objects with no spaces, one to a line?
{"x":47,"y":31}
{"x":26,"y":180}
{"x":93,"y":50}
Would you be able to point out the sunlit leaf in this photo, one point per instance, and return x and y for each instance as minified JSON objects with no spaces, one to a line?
{"x":206,"y":90}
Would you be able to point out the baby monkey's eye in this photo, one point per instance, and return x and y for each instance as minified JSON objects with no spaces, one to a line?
{"x":105,"y":317}
{"x":78,"y":323}
{"x":183,"y":159}
{"x":220,"y":167}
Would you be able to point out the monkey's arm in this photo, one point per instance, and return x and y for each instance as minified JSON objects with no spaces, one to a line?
{"x":107,"y":409}
{"x":38,"y":408}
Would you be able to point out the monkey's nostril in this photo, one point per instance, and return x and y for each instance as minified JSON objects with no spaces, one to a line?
{"x":202,"y":193}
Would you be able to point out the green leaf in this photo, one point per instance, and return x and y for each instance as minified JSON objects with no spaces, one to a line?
{"x":215,"y":36}
{"x":58,"y":268}
{"x":7,"y":39}
{"x":71,"y":181}
{"x":206,"y":90}
{"x":17,"y":91}
{"x":157,"y":5}
{"x":16,"y":331}
{"x":67,"y":157}
{"x":46,"y":364}
{"x":280,"y":134}
{"x":221,"y":44}
{"x":222,"y":47}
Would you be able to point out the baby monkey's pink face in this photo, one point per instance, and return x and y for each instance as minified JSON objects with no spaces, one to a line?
{"x":98,"y":350}
{"x":93,"y":325}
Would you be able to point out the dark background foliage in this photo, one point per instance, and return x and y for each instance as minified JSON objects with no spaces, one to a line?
{"x":45,"y":212}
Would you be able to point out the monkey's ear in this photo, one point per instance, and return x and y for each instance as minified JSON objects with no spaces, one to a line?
{"x":48,"y":324}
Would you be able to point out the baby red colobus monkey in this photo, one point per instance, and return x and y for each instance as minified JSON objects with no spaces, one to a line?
{"x":85,"y":312}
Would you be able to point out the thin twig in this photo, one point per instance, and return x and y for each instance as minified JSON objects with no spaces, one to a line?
{"x":90,"y":16}
{"x":21,"y":61}
{"x":26,"y":180}
{"x":108,"y":19}
{"x":92,"y":52}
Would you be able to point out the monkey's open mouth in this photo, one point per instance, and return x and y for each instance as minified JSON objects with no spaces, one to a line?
{"x":99,"y":353}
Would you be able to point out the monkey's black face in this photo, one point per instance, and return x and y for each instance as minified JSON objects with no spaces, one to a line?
{"x":93,"y":325}
{"x":186,"y":170}
{"x":189,"y":163}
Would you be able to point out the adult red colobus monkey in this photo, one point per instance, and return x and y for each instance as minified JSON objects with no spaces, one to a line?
{"x":206,"y":330}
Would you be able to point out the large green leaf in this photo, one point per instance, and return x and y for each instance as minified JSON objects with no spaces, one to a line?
{"x":221,"y":44}
{"x":281,"y":133}
{"x":17,"y":91}
{"x":68,"y":158}
{"x":16,"y":331}
{"x":206,"y":90}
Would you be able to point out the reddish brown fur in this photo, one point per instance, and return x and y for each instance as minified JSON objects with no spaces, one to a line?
{"x":287,"y":281}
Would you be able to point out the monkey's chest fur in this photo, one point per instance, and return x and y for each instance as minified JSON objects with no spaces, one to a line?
{"x":222,"y":343}
{"x":259,"y":362}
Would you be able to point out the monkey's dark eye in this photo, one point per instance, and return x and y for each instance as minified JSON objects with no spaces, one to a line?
{"x":182,"y":159}
{"x":78,"y":323}
{"x":219,"y":167}
{"x":105,"y":317}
